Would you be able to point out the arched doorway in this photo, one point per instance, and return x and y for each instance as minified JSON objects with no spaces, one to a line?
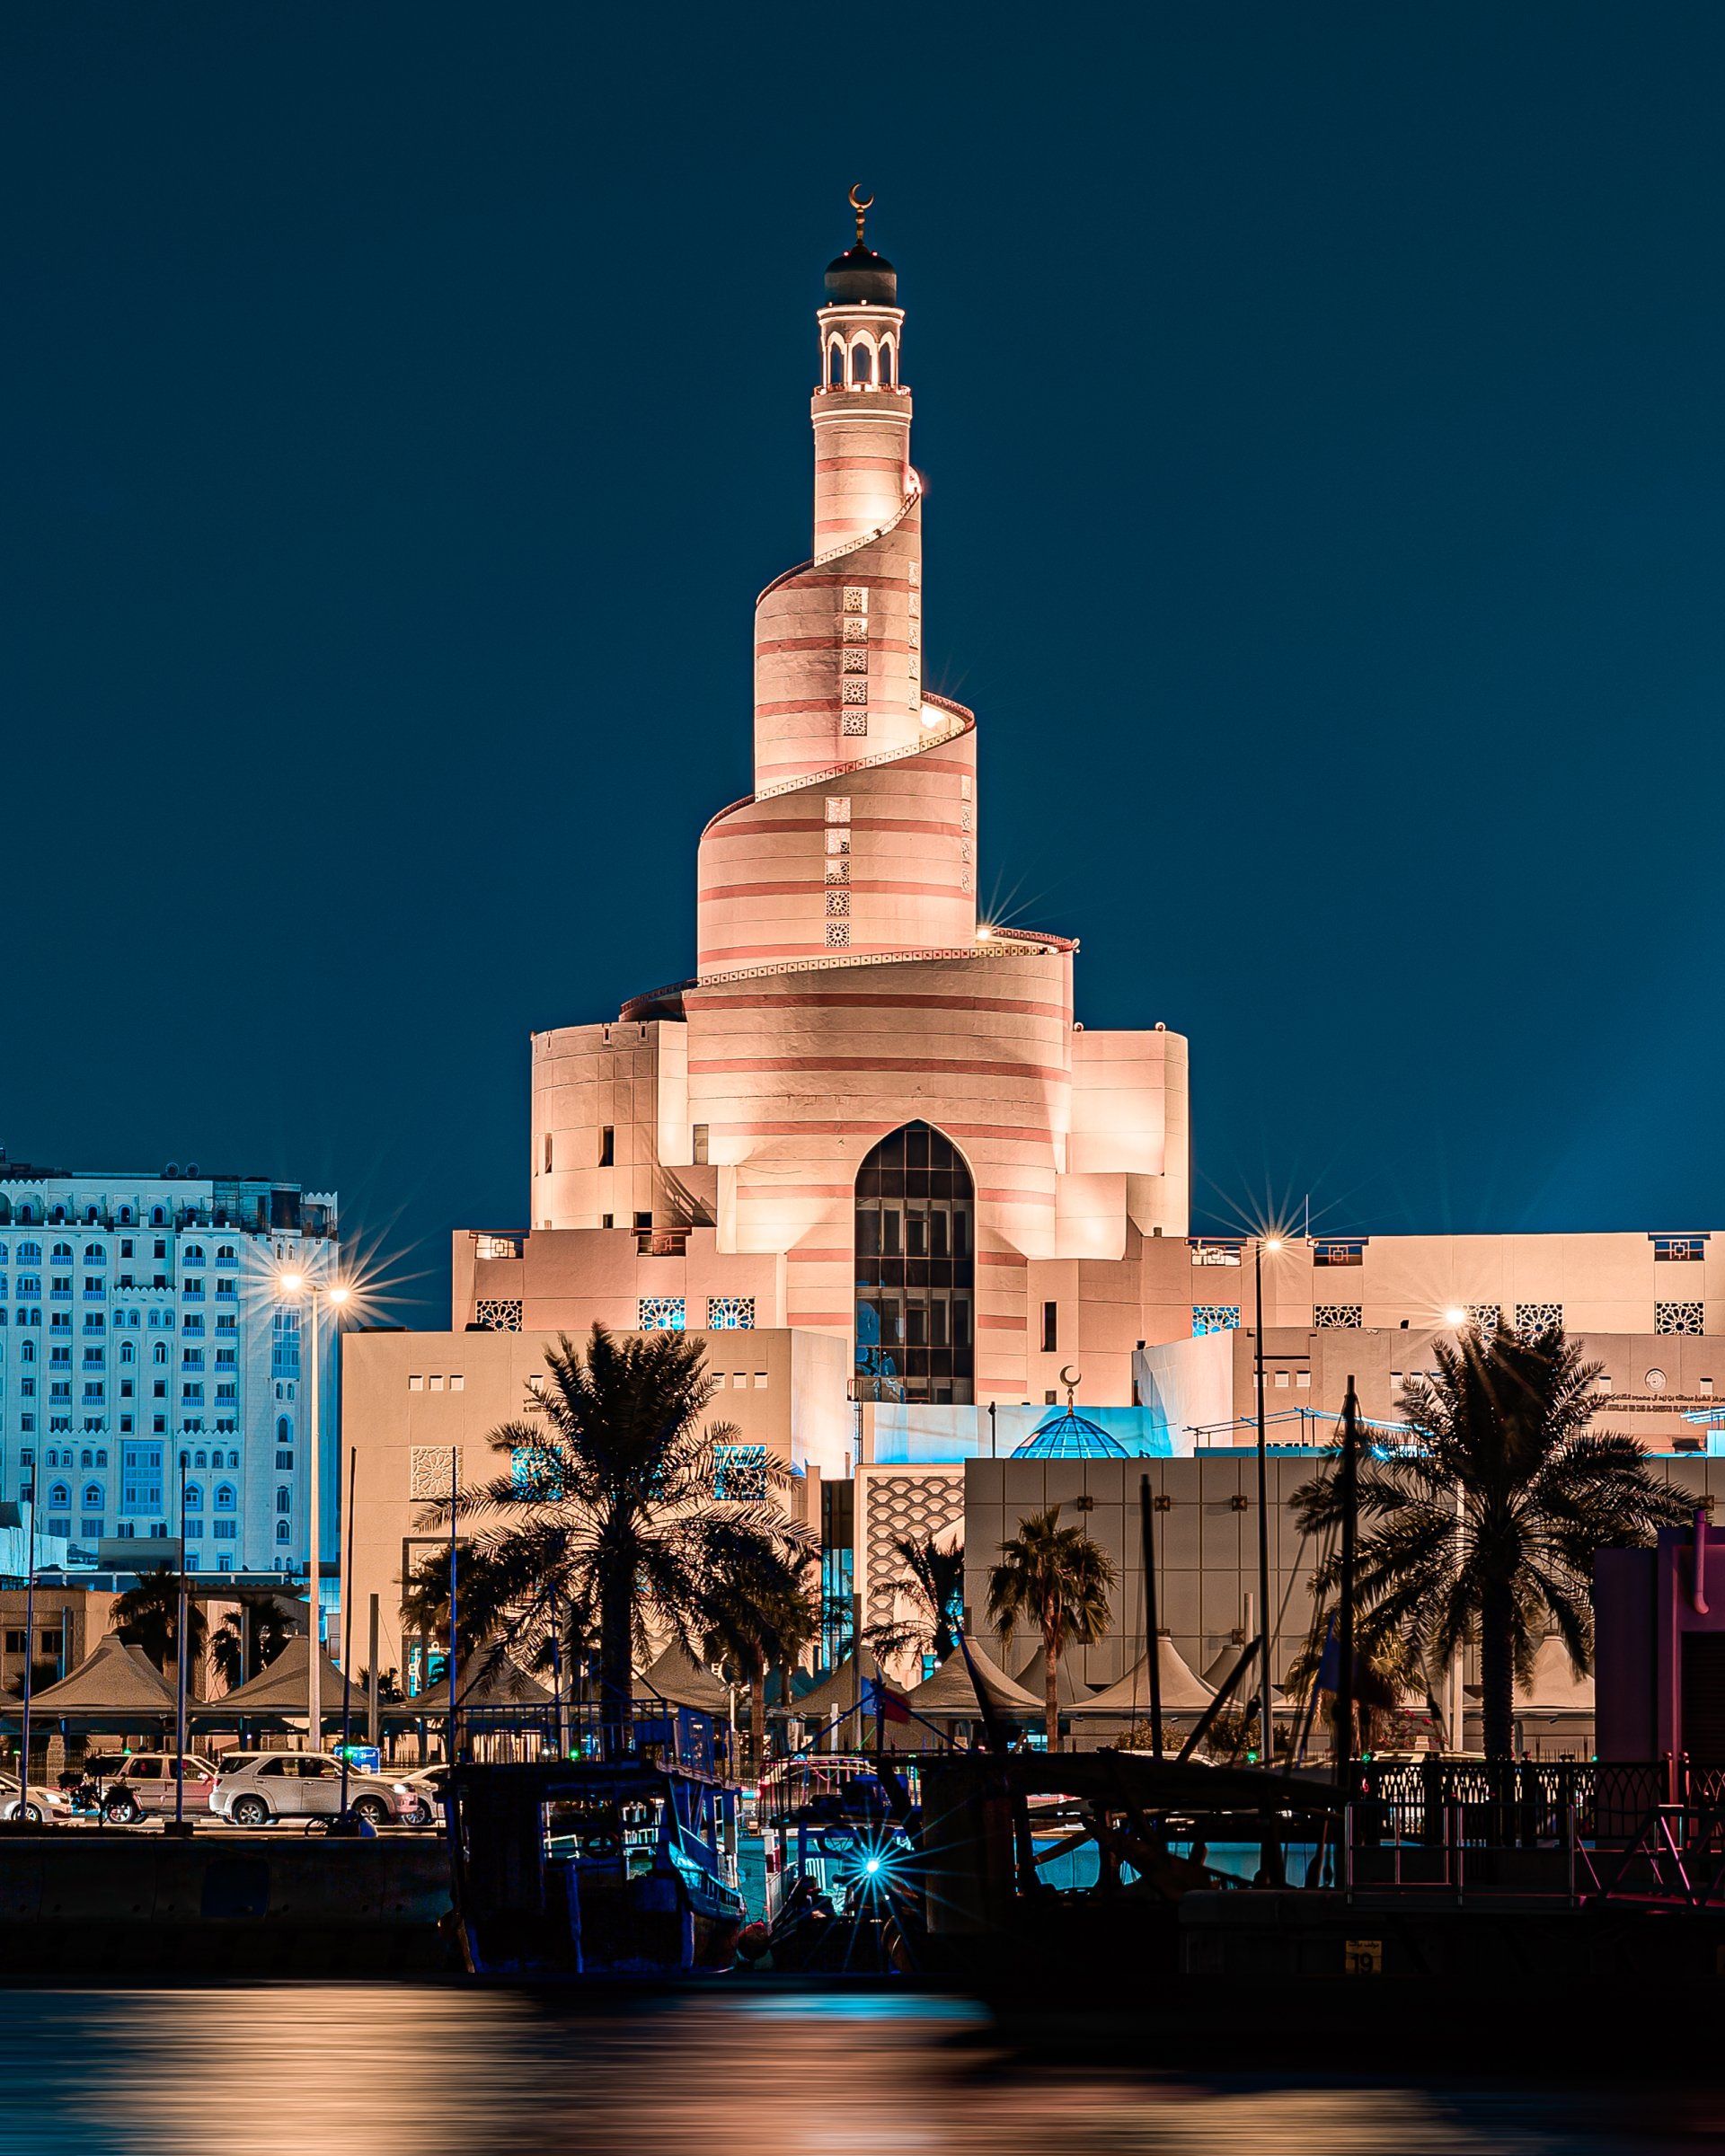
{"x":916,"y":1270}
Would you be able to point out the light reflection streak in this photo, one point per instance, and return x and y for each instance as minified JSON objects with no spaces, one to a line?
{"x":428,"y":2070}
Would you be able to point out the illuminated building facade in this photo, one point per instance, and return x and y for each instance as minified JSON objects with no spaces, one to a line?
{"x":138,"y":1322}
{"x":869,"y":1128}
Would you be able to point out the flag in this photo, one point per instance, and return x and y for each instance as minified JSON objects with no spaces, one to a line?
{"x":1329,"y":1675}
{"x":880,"y":1699}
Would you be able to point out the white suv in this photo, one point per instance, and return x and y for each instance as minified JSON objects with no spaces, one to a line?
{"x":302,"y":1785}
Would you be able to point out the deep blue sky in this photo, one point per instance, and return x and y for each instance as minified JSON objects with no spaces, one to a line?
{"x":1321,"y":412}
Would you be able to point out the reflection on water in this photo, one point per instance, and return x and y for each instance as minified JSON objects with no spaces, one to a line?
{"x":401,"y":2071}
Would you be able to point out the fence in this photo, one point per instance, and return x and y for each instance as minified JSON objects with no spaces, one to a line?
{"x":1521,"y":1804}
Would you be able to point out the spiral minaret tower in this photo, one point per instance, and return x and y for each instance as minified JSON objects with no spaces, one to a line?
{"x":845,"y":988}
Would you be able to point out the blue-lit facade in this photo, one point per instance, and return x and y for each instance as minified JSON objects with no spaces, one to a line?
{"x":140,"y":1322}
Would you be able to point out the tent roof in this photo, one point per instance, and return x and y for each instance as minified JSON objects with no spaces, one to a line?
{"x":1069,"y":1687}
{"x":676,"y":1676}
{"x":950,"y":1692}
{"x":841,"y":1688}
{"x":479,"y":1685}
{"x":112,"y":1678}
{"x":281,"y":1689}
{"x":1222,"y":1665}
{"x":1555,"y":1688}
{"x":1182,"y":1691}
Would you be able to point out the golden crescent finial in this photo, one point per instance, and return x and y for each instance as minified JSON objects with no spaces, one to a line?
{"x":862,"y":207}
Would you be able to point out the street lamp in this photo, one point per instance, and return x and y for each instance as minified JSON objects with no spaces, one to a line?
{"x":1271,"y":1863}
{"x":316,"y":1293}
{"x":1272,"y":1243}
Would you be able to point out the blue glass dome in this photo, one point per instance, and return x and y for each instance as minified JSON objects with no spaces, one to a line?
{"x":1070,"y":1436}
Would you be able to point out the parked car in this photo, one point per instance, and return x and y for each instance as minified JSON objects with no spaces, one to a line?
{"x":145,"y":1786}
{"x":301,"y":1785}
{"x":40,"y":1805}
{"x":424,"y":1791}
{"x":236,"y":1763}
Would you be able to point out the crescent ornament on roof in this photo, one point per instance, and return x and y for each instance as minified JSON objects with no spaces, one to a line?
{"x":869,"y":204}
{"x":861,"y":204}
{"x":1069,"y":1376}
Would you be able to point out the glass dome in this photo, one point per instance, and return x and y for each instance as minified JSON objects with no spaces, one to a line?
{"x":1067,"y":1435}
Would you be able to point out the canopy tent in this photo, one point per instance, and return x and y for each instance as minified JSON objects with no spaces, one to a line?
{"x":485,"y":1684}
{"x":949,"y":1695}
{"x":1223,"y":1664}
{"x":1069,"y":1687}
{"x":679,"y":1680}
{"x":280,"y":1690}
{"x":842,"y":1688}
{"x":1554,"y":1688}
{"x":114,"y":1680}
{"x":1183,"y":1693}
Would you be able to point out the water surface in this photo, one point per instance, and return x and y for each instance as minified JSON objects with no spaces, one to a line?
{"x":382,"y":2070}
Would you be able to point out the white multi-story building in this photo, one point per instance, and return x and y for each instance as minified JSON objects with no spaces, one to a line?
{"x":142,"y":1322}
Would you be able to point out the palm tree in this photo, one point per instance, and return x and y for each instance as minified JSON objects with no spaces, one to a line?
{"x":607,"y":1513}
{"x":254,"y":1634}
{"x":1059,"y":1580}
{"x":1487,"y":1522}
{"x":935,"y":1585}
{"x":1387,"y":1666}
{"x":148,"y":1616}
{"x":762,"y":1620}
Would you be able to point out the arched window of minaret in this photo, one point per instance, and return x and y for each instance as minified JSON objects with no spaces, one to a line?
{"x":836,"y":364}
{"x":888,"y":362}
{"x":916,"y":1270}
{"x":862,"y":362}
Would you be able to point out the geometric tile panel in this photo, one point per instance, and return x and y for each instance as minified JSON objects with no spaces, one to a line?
{"x":1338,"y":1317}
{"x":1485,"y":1317}
{"x":740,"y":1473}
{"x":730,"y":1313}
{"x":900,"y":1509}
{"x":428,"y":1470}
{"x":1531,"y":1318}
{"x":498,"y":1316}
{"x":661,"y":1313}
{"x":1679,"y":1316}
{"x":1215,"y":1317}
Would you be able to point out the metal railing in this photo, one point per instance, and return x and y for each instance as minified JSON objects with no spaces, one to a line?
{"x":1514,"y":1804}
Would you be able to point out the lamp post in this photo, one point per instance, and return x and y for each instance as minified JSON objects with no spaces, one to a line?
{"x":316,"y":1293}
{"x":1271,"y":1845}
{"x":1260,"y":1245}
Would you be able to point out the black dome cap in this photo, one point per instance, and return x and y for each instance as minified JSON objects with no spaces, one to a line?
{"x":861,"y":274}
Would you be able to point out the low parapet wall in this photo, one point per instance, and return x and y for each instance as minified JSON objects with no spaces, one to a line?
{"x":270,"y":1903}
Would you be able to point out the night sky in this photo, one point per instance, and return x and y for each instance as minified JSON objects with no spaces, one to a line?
{"x":1321,"y":413}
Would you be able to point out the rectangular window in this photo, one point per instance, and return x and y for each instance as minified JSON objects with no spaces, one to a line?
{"x":608,"y":1220}
{"x":700,"y":1144}
{"x":548,"y":1153}
{"x":609,"y":1146}
{"x":1337,"y":1253}
{"x":643,"y":1220}
{"x":1050,"y":1328}
{"x":1679,"y":1250}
